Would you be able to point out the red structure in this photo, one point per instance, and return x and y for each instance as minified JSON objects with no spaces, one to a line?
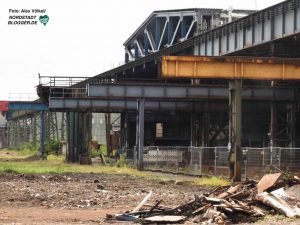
{"x":3,"y":106}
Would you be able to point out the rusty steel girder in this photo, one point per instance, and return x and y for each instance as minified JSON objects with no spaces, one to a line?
{"x":230,"y":68}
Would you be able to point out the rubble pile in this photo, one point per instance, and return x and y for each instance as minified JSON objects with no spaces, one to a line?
{"x":242,"y":202}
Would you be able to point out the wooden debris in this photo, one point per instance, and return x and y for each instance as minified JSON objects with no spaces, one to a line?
{"x":142,"y":202}
{"x":224,"y":205}
{"x":230,"y":191}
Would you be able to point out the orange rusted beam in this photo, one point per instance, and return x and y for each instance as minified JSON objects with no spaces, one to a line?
{"x":230,"y":68}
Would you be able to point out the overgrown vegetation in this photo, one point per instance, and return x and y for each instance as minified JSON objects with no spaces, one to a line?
{"x":122,"y":162}
{"x":96,"y":151}
{"x":211,"y":181}
{"x":53,"y":147}
{"x":28,"y":149}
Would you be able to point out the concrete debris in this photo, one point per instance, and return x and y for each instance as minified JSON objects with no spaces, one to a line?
{"x":243,"y":202}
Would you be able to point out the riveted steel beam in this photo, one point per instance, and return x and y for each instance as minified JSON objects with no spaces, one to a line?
{"x":230,"y":68}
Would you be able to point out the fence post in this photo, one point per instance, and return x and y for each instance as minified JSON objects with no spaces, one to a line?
{"x":168,"y":163}
{"x":157,"y":150}
{"x":177,"y":156}
{"x":263,"y":159}
{"x":200,"y":160}
{"x":191,"y":159}
{"x":271,"y":152}
{"x":246,"y":162}
{"x":279,"y":158}
{"x":215,"y":167}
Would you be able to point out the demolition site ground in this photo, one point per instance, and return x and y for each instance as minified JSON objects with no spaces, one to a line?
{"x":61,"y":197}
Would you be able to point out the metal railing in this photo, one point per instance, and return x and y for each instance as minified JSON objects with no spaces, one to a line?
{"x":22,"y":97}
{"x":215,"y":160}
{"x":67,"y":92}
{"x":60,"y":81}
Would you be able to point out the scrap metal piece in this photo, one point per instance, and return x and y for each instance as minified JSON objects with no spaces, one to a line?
{"x":126,"y":217}
{"x":267,"y":181}
{"x":281,"y":201}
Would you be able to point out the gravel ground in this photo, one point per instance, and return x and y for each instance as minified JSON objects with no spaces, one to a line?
{"x":87,"y":198}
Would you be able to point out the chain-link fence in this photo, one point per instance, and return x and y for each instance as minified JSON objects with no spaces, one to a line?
{"x":215,"y":160}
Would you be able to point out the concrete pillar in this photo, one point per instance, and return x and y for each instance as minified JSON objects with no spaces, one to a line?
{"x":235,"y":128}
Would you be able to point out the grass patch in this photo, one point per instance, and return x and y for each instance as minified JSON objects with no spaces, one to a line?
{"x":27,"y":164}
{"x":212,"y":181}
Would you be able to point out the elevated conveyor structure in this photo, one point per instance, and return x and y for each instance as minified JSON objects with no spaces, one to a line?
{"x":273,"y":32}
{"x":236,"y":69}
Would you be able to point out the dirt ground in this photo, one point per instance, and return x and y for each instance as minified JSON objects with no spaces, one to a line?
{"x":87,"y":198}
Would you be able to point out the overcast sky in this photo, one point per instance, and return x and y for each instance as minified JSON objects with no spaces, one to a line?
{"x":82,"y":37}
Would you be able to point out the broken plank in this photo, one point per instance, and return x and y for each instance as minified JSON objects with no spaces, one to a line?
{"x":142,"y":202}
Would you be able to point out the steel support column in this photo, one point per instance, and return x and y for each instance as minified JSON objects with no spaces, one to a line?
{"x":42,"y":136}
{"x":146,"y":43}
{"x":170,"y":30}
{"x":108,"y":139}
{"x":158,"y":22}
{"x":140,"y":132}
{"x":235,"y":128}
{"x":79,"y":136}
{"x":34,"y":135}
{"x":70,"y":125}
{"x":136,"y":51}
{"x":183,"y":27}
{"x":292,"y":125}
{"x":273,"y":126}
{"x":192,"y":130}
{"x":126,"y":57}
{"x":123,"y":130}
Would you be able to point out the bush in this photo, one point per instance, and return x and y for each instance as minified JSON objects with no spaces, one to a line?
{"x":53,"y":146}
{"x":122,"y":162}
{"x":28,"y":149}
{"x":28,"y":146}
{"x":96,"y":152}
